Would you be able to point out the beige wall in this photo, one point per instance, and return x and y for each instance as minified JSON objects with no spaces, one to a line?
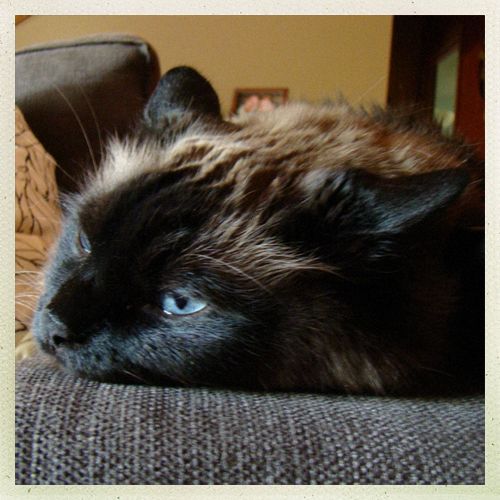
{"x":314,"y":56}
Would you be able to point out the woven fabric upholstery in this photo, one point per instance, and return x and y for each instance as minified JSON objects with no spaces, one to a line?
{"x":37,"y":223}
{"x":74,"y":431}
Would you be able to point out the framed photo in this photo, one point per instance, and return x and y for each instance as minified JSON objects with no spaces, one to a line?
{"x":263,"y":99}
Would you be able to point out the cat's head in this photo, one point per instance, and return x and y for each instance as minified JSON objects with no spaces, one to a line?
{"x":266,"y":253}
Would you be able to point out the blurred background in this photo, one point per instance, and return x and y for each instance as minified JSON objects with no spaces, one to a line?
{"x":313,"y":56}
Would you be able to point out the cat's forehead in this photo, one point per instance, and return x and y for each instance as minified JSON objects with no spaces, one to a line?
{"x":220,"y":153}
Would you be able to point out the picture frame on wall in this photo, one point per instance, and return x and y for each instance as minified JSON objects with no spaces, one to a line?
{"x":258,"y":99}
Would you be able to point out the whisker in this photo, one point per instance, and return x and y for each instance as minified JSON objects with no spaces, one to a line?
{"x":27,"y":296}
{"x":377,"y":82}
{"x":27,"y":292}
{"x":94,"y":116}
{"x":82,"y":128}
{"x":65,"y":172}
{"x":235,"y":269}
{"x":134,"y":375}
{"x":28,"y":280}
{"x":435,"y":370}
{"x":30,"y":307}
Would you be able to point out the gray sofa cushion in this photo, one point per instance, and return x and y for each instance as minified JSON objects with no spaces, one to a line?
{"x":75,"y":431}
{"x":104,"y":80}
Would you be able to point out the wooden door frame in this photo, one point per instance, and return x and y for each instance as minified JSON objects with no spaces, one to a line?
{"x":418,"y":42}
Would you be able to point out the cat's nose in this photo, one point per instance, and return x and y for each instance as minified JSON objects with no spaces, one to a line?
{"x":60,"y":334}
{"x":59,"y":339}
{"x":72,"y":312}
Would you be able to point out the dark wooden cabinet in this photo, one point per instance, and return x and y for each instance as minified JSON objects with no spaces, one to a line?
{"x":439,"y":61}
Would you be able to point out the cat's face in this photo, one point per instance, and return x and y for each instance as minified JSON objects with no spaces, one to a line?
{"x":138,"y":287}
{"x":252,"y":254}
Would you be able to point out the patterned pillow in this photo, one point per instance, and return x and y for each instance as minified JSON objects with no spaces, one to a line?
{"x":37,"y":224}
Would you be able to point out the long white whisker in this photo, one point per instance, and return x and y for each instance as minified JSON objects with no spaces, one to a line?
{"x":132,"y":374}
{"x":30,"y":307}
{"x":235,"y":269}
{"x":29,"y":280}
{"x":82,"y":128}
{"x":377,"y":82}
{"x":94,"y":116}
{"x":65,"y":172}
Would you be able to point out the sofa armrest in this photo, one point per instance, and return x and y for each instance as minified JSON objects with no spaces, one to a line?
{"x":76,"y":431}
{"x":75,"y":93}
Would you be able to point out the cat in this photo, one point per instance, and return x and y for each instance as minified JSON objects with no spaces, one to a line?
{"x":312,"y":247}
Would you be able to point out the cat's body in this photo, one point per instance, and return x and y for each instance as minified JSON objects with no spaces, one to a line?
{"x":312,"y":247}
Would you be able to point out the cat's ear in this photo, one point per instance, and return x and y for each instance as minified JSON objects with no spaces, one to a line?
{"x":386,"y":205}
{"x":182,"y":95}
{"x":354,"y":209}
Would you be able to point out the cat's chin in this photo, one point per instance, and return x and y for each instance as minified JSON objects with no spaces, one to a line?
{"x":128,"y":376}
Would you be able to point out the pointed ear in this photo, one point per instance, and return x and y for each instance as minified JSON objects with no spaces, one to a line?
{"x":357,"y":218}
{"x":397,"y":204}
{"x":181,"y":96}
{"x":362,"y":202}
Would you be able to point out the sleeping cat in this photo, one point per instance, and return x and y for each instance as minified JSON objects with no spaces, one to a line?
{"x":309,"y":248}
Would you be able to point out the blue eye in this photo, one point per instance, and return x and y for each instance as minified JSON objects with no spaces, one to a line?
{"x":84,"y":242}
{"x":181,"y":304}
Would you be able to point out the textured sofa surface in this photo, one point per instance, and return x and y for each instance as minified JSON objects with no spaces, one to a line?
{"x":76,"y":431}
